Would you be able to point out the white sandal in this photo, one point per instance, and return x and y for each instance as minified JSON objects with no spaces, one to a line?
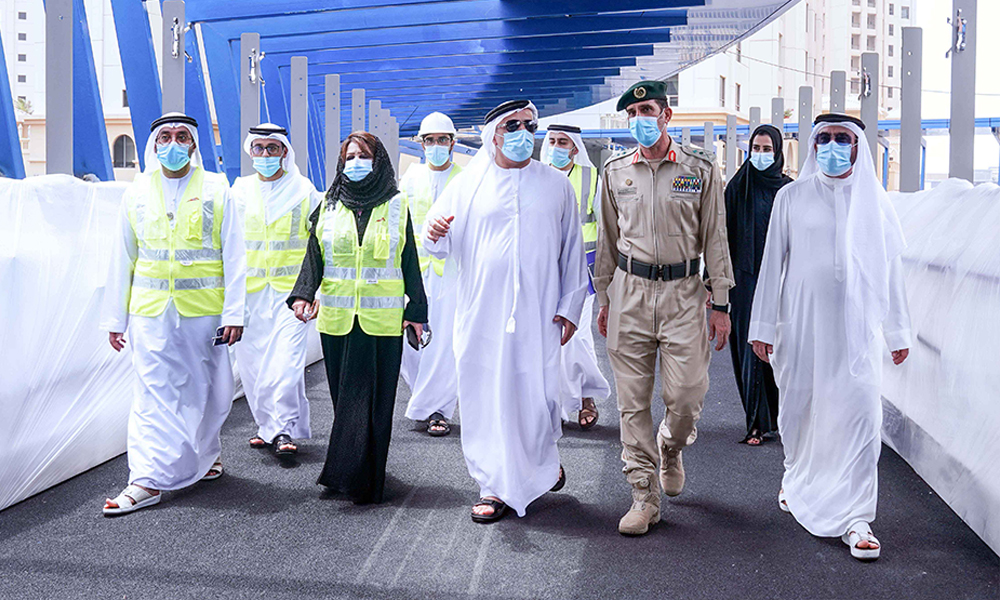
{"x":782,"y":503}
{"x":217,"y":467}
{"x":131,"y":499}
{"x":858,"y":532}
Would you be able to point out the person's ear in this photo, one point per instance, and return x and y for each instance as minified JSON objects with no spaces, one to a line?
{"x":574,"y":151}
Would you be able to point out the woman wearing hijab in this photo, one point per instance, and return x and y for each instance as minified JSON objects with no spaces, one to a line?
{"x":749,"y":197}
{"x":360,"y":267}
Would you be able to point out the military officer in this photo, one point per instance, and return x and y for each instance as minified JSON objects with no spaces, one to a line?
{"x":662,"y":209}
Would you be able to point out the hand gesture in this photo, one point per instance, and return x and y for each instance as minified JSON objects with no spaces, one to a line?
{"x":439,"y":227}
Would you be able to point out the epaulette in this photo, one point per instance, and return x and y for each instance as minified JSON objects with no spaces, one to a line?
{"x":698,"y":153}
{"x":620,"y":155}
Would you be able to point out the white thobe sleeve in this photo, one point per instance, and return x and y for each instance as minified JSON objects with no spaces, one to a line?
{"x":442,"y":207}
{"x":896,"y":326}
{"x":118,"y":287}
{"x":234,"y":264}
{"x":573,"y":277}
{"x":767,"y":297}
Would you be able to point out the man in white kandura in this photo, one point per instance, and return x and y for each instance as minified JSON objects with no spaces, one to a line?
{"x":274,"y":206}
{"x":510,"y":225}
{"x":176,"y":283}
{"x":581,"y":380}
{"x":430,"y":372}
{"x":831,"y":284}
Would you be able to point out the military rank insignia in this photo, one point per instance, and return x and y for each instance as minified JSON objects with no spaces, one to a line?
{"x":688,"y":184}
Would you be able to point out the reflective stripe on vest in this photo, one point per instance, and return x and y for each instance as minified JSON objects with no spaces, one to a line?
{"x":182,"y":262}
{"x":420,"y":196}
{"x":585,"y":186}
{"x":363,"y":280}
{"x":274,"y":251}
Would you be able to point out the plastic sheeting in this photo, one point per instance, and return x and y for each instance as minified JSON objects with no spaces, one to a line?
{"x":942,"y":410}
{"x":64,"y":393}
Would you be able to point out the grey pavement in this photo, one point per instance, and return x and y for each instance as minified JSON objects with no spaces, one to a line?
{"x":266,"y":530}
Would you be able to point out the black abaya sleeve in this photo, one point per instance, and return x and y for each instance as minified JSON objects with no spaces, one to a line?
{"x":311,"y":274}
{"x":416,"y":308}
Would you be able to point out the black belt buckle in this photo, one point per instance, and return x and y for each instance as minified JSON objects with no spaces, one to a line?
{"x":661,"y":272}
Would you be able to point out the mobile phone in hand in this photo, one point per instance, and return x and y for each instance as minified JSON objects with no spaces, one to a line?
{"x":412,"y":338}
{"x":219,"y":340}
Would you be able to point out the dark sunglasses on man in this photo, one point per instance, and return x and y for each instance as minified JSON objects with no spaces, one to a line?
{"x":824,"y":137}
{"x":513,"y":125}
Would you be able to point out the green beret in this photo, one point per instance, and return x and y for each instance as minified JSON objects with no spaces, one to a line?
{"x":644,"y":90}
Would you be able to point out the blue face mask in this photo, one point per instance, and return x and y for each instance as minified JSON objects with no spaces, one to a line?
{"x":559,"y":157}
{"x":357,"y":169}
{"x":437,"y":155}
{"x":762,"y":160}
{"x":834,"y":159}
{"x":645,"y":130}
{"x":267,"y":165}
{"x":173,"y":156}
{"x":518,"y":145}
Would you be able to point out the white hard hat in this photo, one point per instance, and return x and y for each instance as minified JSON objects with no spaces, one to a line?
{"x":436,"y":122}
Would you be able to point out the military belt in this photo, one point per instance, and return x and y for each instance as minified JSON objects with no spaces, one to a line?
{"x":664,"y":272}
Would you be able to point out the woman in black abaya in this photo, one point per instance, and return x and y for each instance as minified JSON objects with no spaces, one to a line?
{"x":362,"y":359}
{"x":749,"y":197}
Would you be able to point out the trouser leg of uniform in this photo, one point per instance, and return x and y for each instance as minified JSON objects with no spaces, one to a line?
{"x":684,"y":360}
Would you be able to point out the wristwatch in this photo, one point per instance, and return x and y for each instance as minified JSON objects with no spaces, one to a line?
{"x":721,"y":308}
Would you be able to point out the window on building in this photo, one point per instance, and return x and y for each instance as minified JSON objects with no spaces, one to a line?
{"x":22,"y":58}
{"x":856,"y":20}
{"x":889,"y":71}
{"x":124,"y":98}
{"x":123,"y":152}
{"x":871,"y":43}
{"x":22,"y":16}
{"x":855,"y":63}
{"x":904,"y":12}
{"x":22,"y":37}
{"x":891,"y":50}
{"x":855,"y":85}
{"x":855,"y":42}
{"x":737,"y":97}
{"x":871,"y":3}
{"x":673,"y":91}
{"x":856,"y":2}
{"x":891,"y":28}
{"x":890,"y":92}
{"x":722,"y":92}
{"x":891,"y":9}
{"x":871,"y":21}
{"x":22,"y":79}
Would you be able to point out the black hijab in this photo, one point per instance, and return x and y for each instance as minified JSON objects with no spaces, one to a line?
{"x":378,"y":187}
{"x":749,"y":198}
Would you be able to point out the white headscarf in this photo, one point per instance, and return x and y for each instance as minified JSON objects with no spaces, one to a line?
{"x":581,"y":158}
{"x":869,"y":237}
{"x":292,"y":186}
{"x":149,"y":156}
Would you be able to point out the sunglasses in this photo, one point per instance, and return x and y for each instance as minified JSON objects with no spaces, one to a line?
{"x":840,"y":138}
{"x":513,"y":125}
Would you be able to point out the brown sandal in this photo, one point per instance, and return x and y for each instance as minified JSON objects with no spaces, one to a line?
{"x":588,"y":414}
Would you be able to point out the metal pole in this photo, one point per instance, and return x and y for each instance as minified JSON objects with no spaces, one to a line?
{"x":357,"y":110}
{"x":249,"y":93}
{"x":332,"y":126}
{"x":838,"y":91}
{"x":299,"y":109}
{"x":710,"y":136}
{"x":962,"y":129}
{"x":869,"y":100}
{"x":375,"y":121}
{"x":172,"y":73}
{"x":730,"y":146}
{"x":59,"y":86}
{"x":910,"y":130}
{"x":778,"y":113}
{"x":805,"y":121}
{"x":754,"y":119}
{"x":685,"y":136}
{"x":393,"y":126}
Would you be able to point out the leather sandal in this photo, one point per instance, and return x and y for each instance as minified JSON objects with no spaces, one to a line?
{"x":257,"y":442}
{"x":499,"y":510}
{"x":284,"y":446}
{"x":588,"y":415}
{"x":437,"y":425}
{"x":215,"y":471}
{"x":562,"y":480}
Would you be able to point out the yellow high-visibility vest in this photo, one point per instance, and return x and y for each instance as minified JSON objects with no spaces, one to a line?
{"x":183,"y":263}
{"x":274,"y":251}
{"x":585,"y":183}
{"x":417,"y":184}
{"x":363,"y":280}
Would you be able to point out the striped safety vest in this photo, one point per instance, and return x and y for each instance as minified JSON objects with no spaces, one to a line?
{"x":417,"y":184}
{"x":367,"y":280}
{"x":585,"y":184}
{"x":274,"y":251}
{"x":183,"y":262}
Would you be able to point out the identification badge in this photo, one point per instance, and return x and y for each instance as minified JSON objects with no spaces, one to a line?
{"x":372,"y":281}
{"x":688,"y":184}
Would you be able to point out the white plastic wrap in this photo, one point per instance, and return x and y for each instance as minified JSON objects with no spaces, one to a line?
{"x":943,"y":404}
{"x":64,"y":393}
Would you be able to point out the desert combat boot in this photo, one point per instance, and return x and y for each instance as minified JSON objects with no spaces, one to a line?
{"x":671,"y":468}
{"x":645,"y":510}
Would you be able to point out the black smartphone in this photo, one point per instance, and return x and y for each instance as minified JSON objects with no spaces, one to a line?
{"x":412,"y":338}
{"x":218,"y":340}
